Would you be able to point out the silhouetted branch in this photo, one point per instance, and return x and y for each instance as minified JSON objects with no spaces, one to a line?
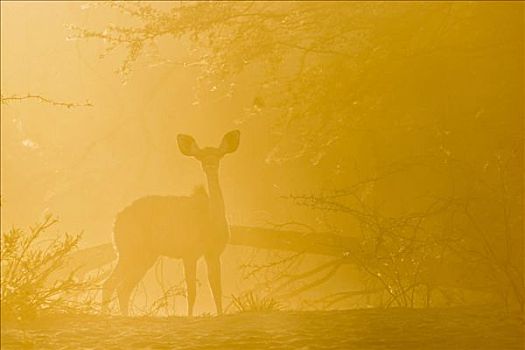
{"x":39,"y":98}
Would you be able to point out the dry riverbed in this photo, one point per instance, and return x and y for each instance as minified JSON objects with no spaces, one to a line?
{"x":352,"y":329}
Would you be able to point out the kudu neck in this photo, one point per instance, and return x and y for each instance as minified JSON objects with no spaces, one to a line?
{"x":215,"y":194}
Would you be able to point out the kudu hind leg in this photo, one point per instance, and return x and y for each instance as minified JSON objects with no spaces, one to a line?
{"x":214,"y":277}
{"x":110,"y":285}
{"x":132,"y":275}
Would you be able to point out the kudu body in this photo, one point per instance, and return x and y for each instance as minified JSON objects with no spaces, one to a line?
{"x":176,"y":227}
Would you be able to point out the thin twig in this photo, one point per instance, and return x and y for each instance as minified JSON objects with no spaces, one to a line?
{"x":16,"y":98}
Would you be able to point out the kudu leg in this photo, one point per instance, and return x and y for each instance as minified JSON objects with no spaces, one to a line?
{"x":110,"y":285}
{"x":190,"y":272}
{"x":214,"y":277}
{"x":130,"y":279}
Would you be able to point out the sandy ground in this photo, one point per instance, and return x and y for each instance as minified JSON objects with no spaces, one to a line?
{"x":353,"y":329}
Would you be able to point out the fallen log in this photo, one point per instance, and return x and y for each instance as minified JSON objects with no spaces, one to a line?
{"x":89,"y":259}
{"x":309,"y":242}
{"x":452,"y":274}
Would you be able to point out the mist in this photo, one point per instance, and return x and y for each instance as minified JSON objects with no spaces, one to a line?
{"x":379,"y":163}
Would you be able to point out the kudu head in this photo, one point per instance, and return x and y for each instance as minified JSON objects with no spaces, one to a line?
{"x":209,"y":156}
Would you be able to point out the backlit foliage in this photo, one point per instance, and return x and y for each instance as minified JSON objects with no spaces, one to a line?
{"x":329,"y":72}
{"x":28,"y":287}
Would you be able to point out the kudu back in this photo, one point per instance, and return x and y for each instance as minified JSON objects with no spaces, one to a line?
{"x":176,"y":227}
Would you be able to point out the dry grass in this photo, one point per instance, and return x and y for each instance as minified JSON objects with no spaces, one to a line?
{"x":251,"y":302}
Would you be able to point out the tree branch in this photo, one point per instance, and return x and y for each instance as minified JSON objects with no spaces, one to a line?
{"x":39,"y":98}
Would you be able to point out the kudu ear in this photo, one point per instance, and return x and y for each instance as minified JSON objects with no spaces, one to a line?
{"x":230,"y":142}
{"x":187,"y":145}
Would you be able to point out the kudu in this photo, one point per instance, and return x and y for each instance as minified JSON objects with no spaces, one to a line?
{"x":176,"y":227}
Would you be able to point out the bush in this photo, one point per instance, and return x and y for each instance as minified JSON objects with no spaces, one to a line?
{"x":28,"y":265}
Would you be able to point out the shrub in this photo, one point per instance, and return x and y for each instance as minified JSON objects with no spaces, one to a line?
{"x":28,"y":264}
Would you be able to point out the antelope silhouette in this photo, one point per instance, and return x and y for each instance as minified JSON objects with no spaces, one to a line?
{"x":176,"y":227}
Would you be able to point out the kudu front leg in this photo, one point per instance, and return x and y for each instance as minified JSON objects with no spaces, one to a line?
{"x":214,"y":277}
{"x":190,"y":272}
